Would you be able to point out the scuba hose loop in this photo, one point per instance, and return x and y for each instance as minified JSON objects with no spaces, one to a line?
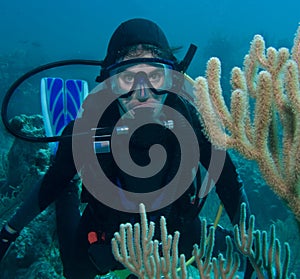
{"x":19,"y":81}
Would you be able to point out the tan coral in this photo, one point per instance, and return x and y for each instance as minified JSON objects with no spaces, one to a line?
{"x":270,"y":78}
{"x":138,"y":252}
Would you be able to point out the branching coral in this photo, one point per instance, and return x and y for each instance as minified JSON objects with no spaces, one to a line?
{"x":139,"y":253}
{"x":264,"y":255}
{"x":263,"y":122}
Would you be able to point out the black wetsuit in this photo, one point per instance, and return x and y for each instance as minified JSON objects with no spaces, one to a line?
{"x":181,"y":215}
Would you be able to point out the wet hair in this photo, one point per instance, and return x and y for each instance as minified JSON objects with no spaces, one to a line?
{"x":140,"y":49}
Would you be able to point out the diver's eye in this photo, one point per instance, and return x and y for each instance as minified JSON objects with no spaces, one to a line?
{"x":127,"y":77}
{"x":156,"y":76}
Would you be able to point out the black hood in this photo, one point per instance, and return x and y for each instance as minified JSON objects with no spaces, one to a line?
{"x":133,"y":32}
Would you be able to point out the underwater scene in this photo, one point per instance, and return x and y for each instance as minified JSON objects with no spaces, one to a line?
{"x":244,"y":79}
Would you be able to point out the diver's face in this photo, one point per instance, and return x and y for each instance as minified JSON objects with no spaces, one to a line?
{"x":142,"y":96}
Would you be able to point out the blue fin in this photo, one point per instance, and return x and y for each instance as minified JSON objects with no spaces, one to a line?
{"x":61,"y":101}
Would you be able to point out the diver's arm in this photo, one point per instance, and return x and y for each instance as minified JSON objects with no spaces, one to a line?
{"x":231,"y":192}
{"x":229,"y":186}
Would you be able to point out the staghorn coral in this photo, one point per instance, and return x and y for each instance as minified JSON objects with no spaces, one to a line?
{"x":138,"y":252}
{"x":263,"y":122}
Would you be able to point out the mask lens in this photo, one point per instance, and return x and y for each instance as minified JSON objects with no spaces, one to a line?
{"x":148,"y":74}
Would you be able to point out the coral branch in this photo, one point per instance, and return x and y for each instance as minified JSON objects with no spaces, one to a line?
{"x":270,"y":81}
{"x":141,"y":256}
{"x":264,"y":255}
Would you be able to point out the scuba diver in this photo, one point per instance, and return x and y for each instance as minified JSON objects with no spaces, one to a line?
{"x":139,"y":79}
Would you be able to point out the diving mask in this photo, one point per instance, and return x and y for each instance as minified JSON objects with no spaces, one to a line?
{"x":129,"y":75}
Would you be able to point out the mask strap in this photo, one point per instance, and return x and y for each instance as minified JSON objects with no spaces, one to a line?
{"x":184,"y":64}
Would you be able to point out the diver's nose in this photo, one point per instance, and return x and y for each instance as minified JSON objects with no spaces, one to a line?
{"x":142,"y":93}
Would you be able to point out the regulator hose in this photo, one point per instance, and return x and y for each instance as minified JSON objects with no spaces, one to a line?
{"x":24,"y":77}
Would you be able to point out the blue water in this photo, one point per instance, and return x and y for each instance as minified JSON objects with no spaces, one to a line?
{"x":66,"y":29}
{"x":35,"y":32}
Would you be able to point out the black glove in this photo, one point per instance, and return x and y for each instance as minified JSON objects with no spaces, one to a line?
{"x":6,"y":238}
